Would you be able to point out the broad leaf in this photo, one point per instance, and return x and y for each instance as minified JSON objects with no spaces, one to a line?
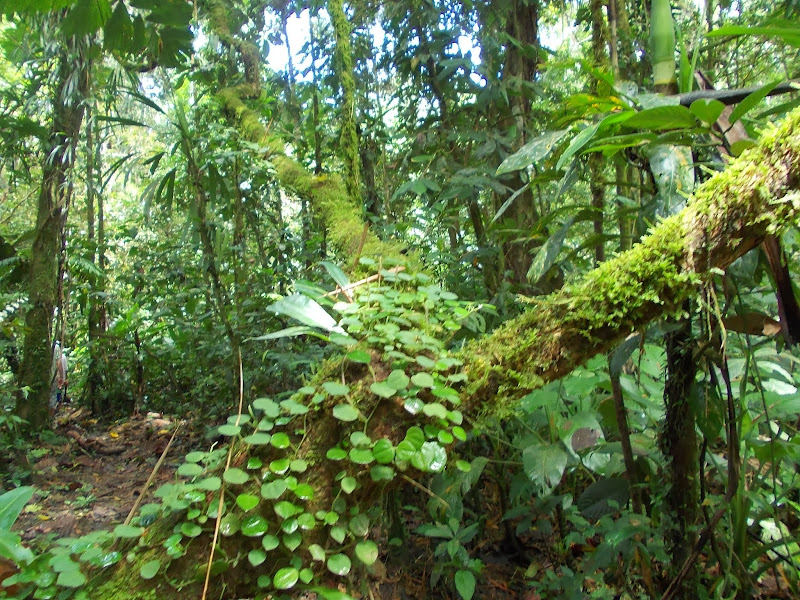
{"x":662,"y":118}
{"x":307,"y":311}
{"x":751,"y":101}
{"x":544,"y":465}
{"x":532,"y":152}
{"x":547,"y":254}
{"x":790,"y":35}
{"x":12,"y":503}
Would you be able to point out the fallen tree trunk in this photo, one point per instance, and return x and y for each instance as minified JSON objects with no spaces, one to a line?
{"x":317,"y":502}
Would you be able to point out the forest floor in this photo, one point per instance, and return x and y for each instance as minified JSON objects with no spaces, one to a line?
{"x":90,"y":475}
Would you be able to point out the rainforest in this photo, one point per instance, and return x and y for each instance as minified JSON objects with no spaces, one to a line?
{"x":399,"y":299}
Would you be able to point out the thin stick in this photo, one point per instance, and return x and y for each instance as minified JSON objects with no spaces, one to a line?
{"x":153,"y":474}
{"x":361,"y":245}
{"x":222,"y":487}
{"x":361,"y":282}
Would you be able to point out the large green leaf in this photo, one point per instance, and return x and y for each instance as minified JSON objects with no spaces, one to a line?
{"x":790,"y":35}
{"x":12,"y":7}
{"x":594,"y":501}
{"x":547,"y":254}
{"x":544,"y":465}
{"x":532,"y":152}
{"x":465,"y":583}
{"x":307,"y":311}
{"x":336,"y":273}
{"x":118,"y":33}
{"x":662,"y":118}
{"x":751,"y":101}
{"x":86,"y":17}
{"x":12,"y":503}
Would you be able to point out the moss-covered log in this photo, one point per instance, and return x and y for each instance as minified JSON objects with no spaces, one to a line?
{"x":729,"y":215}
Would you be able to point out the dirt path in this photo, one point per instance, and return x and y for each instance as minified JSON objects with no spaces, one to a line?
{"x":92,"y":479}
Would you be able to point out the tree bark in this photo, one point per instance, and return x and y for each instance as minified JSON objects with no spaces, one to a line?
{"x":58,"y":156}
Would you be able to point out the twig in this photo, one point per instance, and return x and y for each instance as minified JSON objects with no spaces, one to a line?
{"x":361,"y":245}
{"x":222,"y":487}
{"x":153,"y":474}
{"x":361,"y":282}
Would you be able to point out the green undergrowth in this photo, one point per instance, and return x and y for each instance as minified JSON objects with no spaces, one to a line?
{"x":300,"y":479}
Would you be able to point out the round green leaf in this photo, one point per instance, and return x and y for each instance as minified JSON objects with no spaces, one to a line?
{"x":280,"y":466}
{"x":273,"y":489}
{"x":345,"y":412}
{"x":229,"y":429}
{"x":235,"y":476}
{"x":298,"y":465}
{"x":304,"y":491}
{"x":463,"y":466}
{"x":459,"y":433}
{"x":247,"y":501}
{"x":292,"y":540}
{"x":256,"y":557}
{"x":359,"y":438}
{"x":254,"y":526}
{"x":150,"y":569}
{"x":338,"y":533}
{"x":191,"y":530}
{"x":339,"y":564}
{"x":422,"y":379}
{"x":71,"y":579}
{"x":413,"y":405}
{"x":405,"y":451}
{"x":381,"y":473}
{"x":434,"y":409}
{"x":415,"y":436}
{"x":280,"y":441}
{"x":190,"y":469}
{"x":306,"y":521}
{"x":349,"y":484}
{"x":128,"y":531}
{"x":286,"y":510}
{"x":195,"y":456}
{"x":431,"y":458}
{"x":270,"y":542}
{"x":367,"y":552}
{"x":286,"y":578}
{"x":268,"y":406}
{"x":383,"y":389}
{"x":335,"y":454}
{"x":383,"y":451}
{"x":398,"y":379}
{"x":445,"y":437}
{"x":359,"y":356}
{"x":361,"y":456}
{"x":317,"y":552}
{"x":230,"y":525}
{"x":335,"y":388}
{"x":359,"y":525}
{"x":257,"y":439}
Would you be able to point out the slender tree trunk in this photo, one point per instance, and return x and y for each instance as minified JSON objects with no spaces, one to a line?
{"x":679,"y":444}
{"x":348,"y":137}
{"x":96,"y":318}
{"x":596,"y":184}
{"x":58,"y":152}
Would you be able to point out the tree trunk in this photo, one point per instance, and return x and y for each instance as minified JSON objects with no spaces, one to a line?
{"x":96,"y":318}
{"x":58,"y":156}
